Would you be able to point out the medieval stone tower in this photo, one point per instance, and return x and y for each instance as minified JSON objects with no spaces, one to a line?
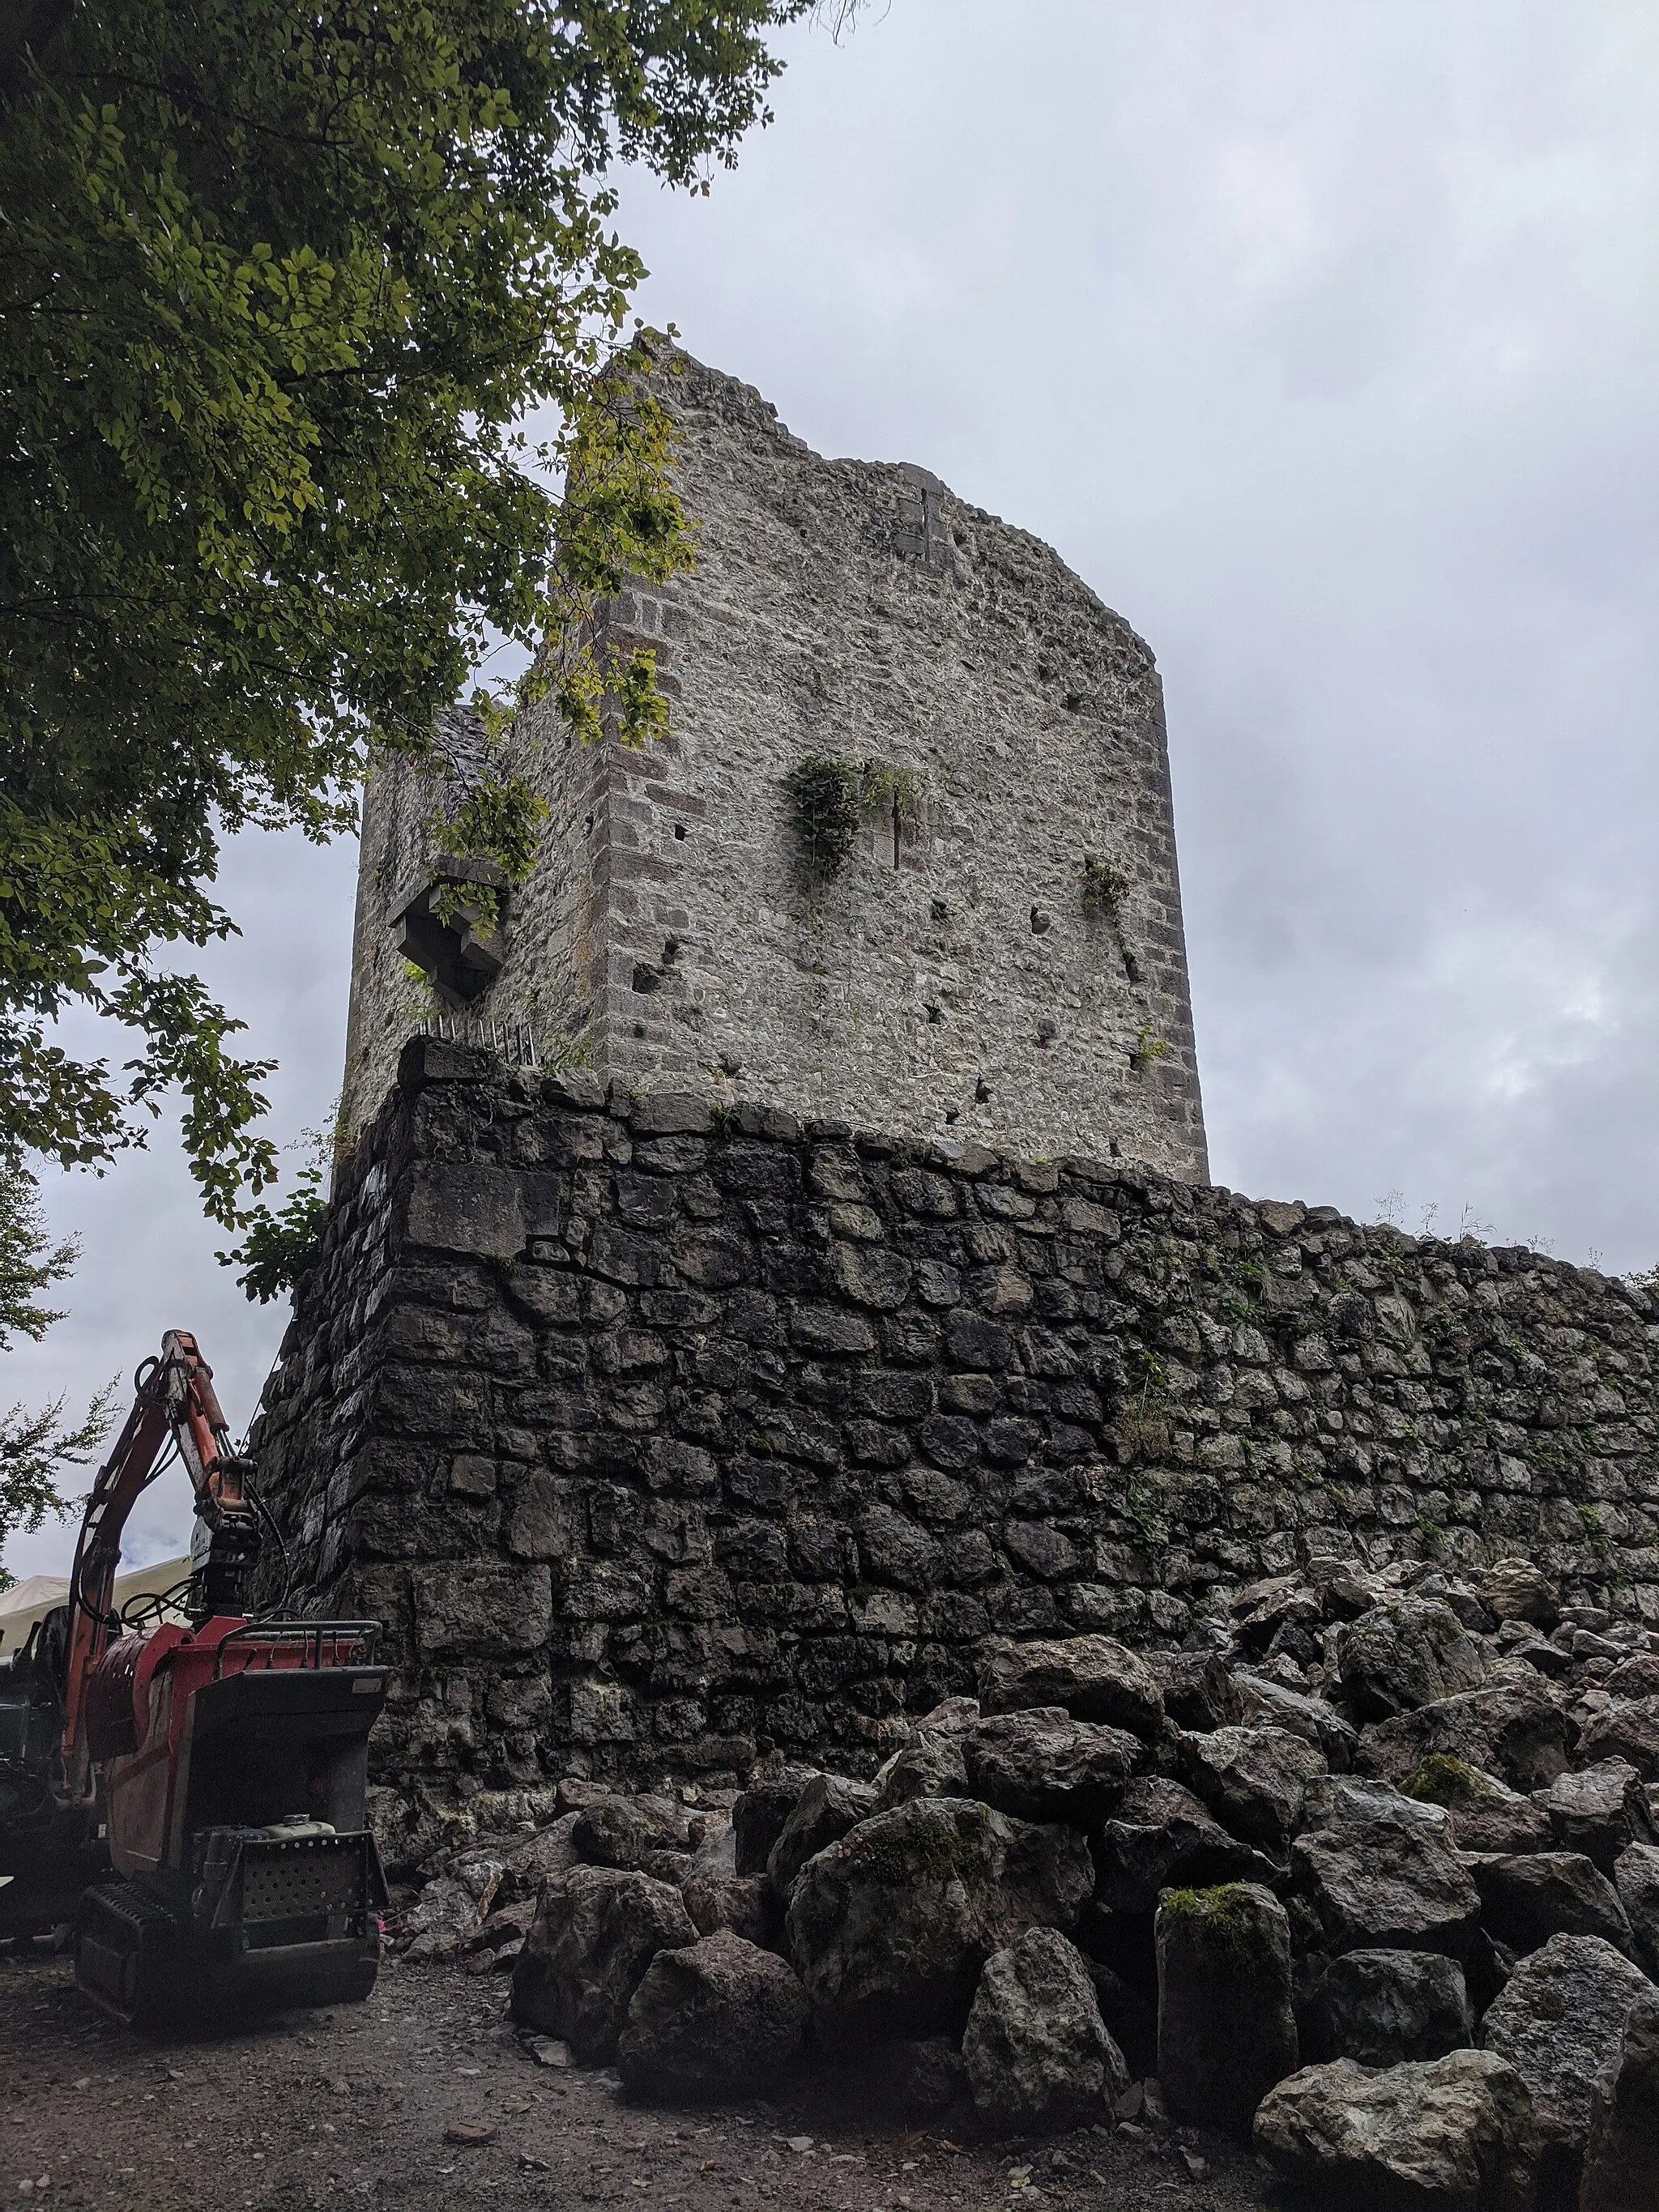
{"x":999,"y":959}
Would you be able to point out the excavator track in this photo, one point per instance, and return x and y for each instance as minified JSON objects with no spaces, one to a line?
{"x":128,"y":1957}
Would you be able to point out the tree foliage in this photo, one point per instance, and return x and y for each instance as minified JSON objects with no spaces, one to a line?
{"x":35,"y":1447}
{"x":281,"y":285}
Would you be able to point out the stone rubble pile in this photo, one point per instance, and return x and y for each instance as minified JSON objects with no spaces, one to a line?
{"x":1380,"y":1896}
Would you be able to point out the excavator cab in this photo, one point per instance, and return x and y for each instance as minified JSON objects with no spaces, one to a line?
{"x":212,"y":1775}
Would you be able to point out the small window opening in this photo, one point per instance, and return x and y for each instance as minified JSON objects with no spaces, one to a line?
{"x":679,"y":829}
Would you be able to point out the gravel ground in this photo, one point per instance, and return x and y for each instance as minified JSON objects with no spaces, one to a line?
{"x":374,"y":2104}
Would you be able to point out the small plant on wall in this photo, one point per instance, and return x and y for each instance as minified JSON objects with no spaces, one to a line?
{"x":832,"y":794}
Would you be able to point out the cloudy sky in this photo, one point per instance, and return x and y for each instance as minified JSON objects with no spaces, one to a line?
{"x":1319,"y":336}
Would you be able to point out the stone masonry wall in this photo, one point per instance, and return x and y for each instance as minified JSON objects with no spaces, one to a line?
{"x":657,"y":1437}
{"x":955,"y":978}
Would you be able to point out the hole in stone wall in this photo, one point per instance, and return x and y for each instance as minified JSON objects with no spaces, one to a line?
{"x":982,"y":1091}
{"x":941,"y":912}
{"x":679,"y":829}
{"x":587,"y":827}
{"x":647,"y":979}
{"x":1040,"y":922}
{"x":670,"y":946}
{"x":935,"y":1013}
{"x":639,"y":1029}
{"x":949,"y":1114}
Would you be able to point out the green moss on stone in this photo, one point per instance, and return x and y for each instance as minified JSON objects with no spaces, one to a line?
{"x":1440,"y":1779}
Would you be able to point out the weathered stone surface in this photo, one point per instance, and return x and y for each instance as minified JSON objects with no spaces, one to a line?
{"x":1041,"y":1764}
{"x":1273,"y":1704}
{"x":1452,"y":2135}
{"x":1254,"y":1781}
{"x":1198,"y":1691}
{"x":1387,"y":1882}
{"x":1600,"y":1811}
{"x":1629,"y":1731}
{"x":596,"y":1930}
{"x":717,"y":2018}
{"x":1091,"y":1677}
{"x":1559,"y":2022}
{"x":1161,"y":1836}
{"x":889,"y":1927}
{"x":1226,"y":2032}
{"x":1036,"y":2052}
{"x":930,"y":1765}
{"x":760,"y":1812}
{"x":624,"y":1832}
{"x":1528,"y":1899}
{"x":1514,"y":1730}
{"x":1384,"y":2007}
{"x":828,"y":1806}
{"x":1485,"y":1814}
{"x":1621,"y":2159}
{"x":1404,"y":1655}
{"x":1513,"y":1589}
{"x":1635,"y":1878}
{"x":747,"y":1903}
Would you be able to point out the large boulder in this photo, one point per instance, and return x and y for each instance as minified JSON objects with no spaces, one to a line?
{"x":1385,"y":2008}
{"x":760,"y":1812}
{"x":1513,"y":1589}
{"x":627,"y":1832}
{"x":1226,"y":2030}
{"x":1559,"y":2022}
{"x":1529,"y":1898}
{"x":1635,"y":1878}
{"x":1267,"y":1704}
{"x":1198,"y":1691}
{"x":1041,"y":1764}
{"x":1486,"y":1814}
{"x":889,"y":1928}
{"x":1160,"y":1837}
{"x":1622,"y":2158}
{"x":1381,"y":1873}
{"x":827,"y":1807}
{"x":1092,"y":1677}
{"x":1600,"y":1811}
{"x":1037,"y":2055}
{"x":717,"y":2018}
{"x":1627,"y":1730}
{"x":930,"y":1765}
{"x":596,"y":1930}
{"x":1404,"y":1655}
{"x":1452,"y":2135}
{"x":1254,"y":1781}
{"x":1514,"y":1728}
{"x":747,"y":1903}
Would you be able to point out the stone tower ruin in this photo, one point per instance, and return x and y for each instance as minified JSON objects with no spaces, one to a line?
{"x":999,"y":959}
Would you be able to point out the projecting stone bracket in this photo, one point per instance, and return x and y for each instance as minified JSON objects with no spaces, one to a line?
{"x":443,"y":930}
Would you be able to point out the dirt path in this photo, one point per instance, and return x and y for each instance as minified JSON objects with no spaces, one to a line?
{"x":361,"y":2106}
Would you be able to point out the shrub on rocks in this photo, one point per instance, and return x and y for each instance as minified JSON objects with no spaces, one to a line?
{"x":1160,"y":1837}
{"x":826,"y":1808}
{"x":1388,"y":2008}
{"x":1092,"y":1677}
{"x":1044,"y":1765}
{"x":1621,"y":2157}
{"x":1404,"y":1655}
{"x":1451,"y":2136}
{"x":1226,"y":2032}
{"x":1600,"y":1811}
{"x":1036,"y":2053}
{"x":596,"y":1930}
{"x":1560,"y":2022}
{"x":716,"y":2018}
{"x":889,"y":1927}
{"x":1254,"y":1781}
{"x":1528,"y":1899}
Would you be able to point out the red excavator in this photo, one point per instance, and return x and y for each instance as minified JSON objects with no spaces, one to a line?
{"x":190,"y":1797}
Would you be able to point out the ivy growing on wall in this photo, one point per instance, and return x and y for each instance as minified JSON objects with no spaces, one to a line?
{"x":832,"y":794}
